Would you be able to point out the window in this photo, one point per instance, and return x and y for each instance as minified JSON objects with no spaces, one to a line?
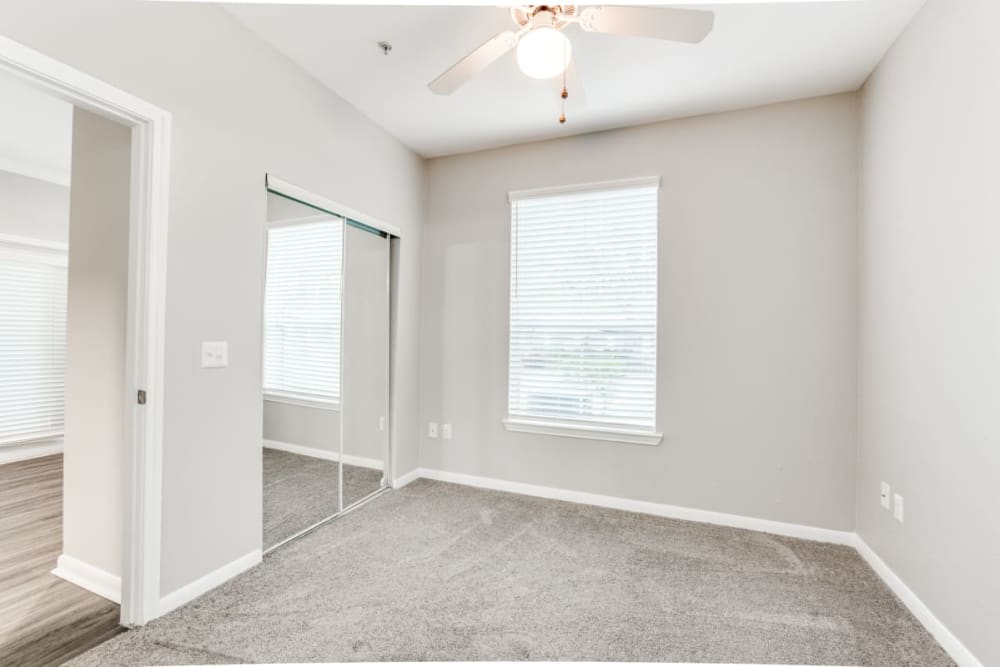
{"x":32,"y":339}
{"x":583,"y":312}
{"x":302,"y":312}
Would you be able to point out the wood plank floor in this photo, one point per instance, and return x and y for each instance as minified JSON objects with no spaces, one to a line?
{"x":43,"y":619}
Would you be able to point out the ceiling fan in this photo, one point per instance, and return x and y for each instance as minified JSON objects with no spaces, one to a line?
{"x":544,"y":51}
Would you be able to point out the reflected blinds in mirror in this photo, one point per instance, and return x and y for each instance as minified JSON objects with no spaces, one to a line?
{"x":302,"y":310}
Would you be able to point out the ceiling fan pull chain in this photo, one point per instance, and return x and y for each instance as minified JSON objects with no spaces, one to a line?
{"x":562,"y":104}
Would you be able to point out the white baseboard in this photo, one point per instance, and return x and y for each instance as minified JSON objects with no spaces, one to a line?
{"x":951,"y":644}
{"x":91,"y":578}
{"x":198,"y":587}
{"x":645,"y":507}
{"x":411,"y":476}
{"x":349,"y":459}
{"x":30,"y":450}
{"x":948,"y":641}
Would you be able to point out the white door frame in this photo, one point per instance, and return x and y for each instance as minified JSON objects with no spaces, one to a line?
{"x":140,"y":595}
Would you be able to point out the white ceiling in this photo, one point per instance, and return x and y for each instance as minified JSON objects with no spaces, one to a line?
{"x":757,"y":54}
{"x":36,"y":132}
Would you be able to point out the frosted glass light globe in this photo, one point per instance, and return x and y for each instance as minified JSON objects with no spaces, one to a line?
{"x":543,"y":53}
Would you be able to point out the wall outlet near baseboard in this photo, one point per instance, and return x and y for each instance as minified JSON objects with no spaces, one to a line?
{"x":884,"y":497}
{"x":432,"y":429}
{"x":897,"y":507}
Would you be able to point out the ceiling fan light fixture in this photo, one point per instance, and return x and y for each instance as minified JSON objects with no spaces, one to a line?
{"x":543,"y":53}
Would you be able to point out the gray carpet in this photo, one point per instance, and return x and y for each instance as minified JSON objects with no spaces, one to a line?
{"x":442,"y":572}
{"x":301,"y":490}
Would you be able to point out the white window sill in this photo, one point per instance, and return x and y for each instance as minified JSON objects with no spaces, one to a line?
{"x":302,"y":402}
{"x":35,"y":439}
{"x":30,"y":448}
{"x":559,"y":429}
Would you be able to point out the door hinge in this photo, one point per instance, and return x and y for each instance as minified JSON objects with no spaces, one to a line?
{"x":141,"y":397}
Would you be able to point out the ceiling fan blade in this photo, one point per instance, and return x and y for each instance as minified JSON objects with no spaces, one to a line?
{"x":677,"y":25}
{"x":474,"y":63}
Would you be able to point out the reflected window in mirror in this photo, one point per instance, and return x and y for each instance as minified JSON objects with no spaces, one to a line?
{"x":302,"y":310}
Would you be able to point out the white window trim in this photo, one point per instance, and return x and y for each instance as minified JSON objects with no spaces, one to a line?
{"x":31,"y":449}
{"x":303,"y":220}
{"x":38,"y":438}
{"x":301,"y":401}
{"x":38,"y":250}
{"x":516,"y":195}
{"x":583,"y":431}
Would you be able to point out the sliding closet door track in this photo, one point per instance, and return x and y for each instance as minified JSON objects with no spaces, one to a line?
{"x":350,"y":508}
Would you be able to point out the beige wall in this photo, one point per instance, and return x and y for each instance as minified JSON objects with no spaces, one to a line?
{"x":757,"y":304}
{"x":96,"y":310}
{"x":302,"y":425}
{"x":33,"y":208}
{"x":930,"y":315}
{"x":239,"y":110}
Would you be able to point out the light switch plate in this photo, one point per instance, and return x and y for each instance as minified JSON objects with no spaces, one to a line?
{"x":214,"y":354}
{"x":884,"y":497}
{"x":897,"y":507}
{"x":432,"y":430}
{"x":446,"y":431}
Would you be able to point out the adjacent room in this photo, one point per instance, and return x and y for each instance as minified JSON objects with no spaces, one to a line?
{"x":365,"y":332}
{"x":64,"y":255}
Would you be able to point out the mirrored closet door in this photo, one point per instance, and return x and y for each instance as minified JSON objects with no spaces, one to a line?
{"x":365,"y":441}
{"x":302,"y":396}
{"x":326,"y":364}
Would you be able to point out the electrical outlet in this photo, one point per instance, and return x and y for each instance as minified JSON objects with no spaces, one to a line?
{"x":432,"y":429}
{"x":884,"y":498}
{"x":381,"y":423}
{"x":897,"y":507}
{"x":446,"y":431}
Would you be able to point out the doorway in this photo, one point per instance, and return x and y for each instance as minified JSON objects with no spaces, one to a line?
{"x":141,"y":405}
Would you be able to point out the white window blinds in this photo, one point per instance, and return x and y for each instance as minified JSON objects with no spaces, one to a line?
{"x":32,"y":342}
{"x":302,"y":311}
{"x":583,"y":308}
